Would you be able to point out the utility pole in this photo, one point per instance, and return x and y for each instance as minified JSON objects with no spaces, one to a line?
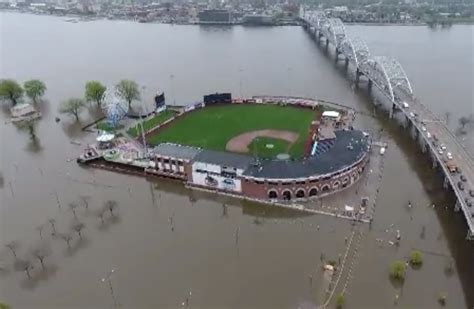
{"x":111,"y":288}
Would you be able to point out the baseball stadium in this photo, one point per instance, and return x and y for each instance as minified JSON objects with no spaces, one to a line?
{"x":263,"y":148}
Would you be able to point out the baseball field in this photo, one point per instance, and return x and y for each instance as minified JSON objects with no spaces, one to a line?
{"x":263,"y":130}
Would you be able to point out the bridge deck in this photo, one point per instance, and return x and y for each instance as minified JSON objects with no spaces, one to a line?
{"x":426,"y":121}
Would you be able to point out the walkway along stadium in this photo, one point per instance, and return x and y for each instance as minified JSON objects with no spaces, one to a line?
{"x":334,"y":157}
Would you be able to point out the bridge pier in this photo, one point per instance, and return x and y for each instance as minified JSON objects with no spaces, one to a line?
{"x":470,"y":235}
{"x":457,"y":206}
{"x":445,"y":183}
{"x":423,"y":145}
{"x":358,"y":74}
{"x":370,"y":85}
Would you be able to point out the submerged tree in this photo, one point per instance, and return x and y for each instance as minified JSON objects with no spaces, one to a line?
{"x":416,"y":258}
{"x":34,"y":89}
{"x":465,"y":120}
{"x":397,"y":270}
{"x":26,"y":266}
{"x":111,"y":206}
{"x":128,"y":90}
{"x":41,"y":253}
{"x":30,"y":127}
{"x":95,"y":92}
{"x":52,"y":223}
{"x":85,"y":200}
{"x":4,"y":306}
{"x":78,"y":227}
{"x":72,"y":106}
{"x":10,"y":90}
{"x":12,"y":246}
{"x":340,"y":300}
{"x":73,"y":207}
{"x":67,"y":238}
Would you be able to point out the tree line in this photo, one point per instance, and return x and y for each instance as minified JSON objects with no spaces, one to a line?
{"x":12,"y":91}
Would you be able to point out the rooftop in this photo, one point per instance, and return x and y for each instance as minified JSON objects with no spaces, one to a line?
{"x":176,"y":151}
{"x":349,"y":147}
{"x":227,"y":159}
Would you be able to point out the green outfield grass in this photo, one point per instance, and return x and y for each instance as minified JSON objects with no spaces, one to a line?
{"x":259,"y":147}
{"x":212,"y":127}
{"x":152,"y":122}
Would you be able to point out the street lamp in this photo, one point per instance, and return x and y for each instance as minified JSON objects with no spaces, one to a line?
{"x":111,"y":288}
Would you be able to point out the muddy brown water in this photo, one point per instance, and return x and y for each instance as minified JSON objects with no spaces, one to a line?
{"x":165,"y":241}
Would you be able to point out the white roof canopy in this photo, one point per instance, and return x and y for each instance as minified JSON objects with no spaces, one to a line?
{"x":331,"y":114}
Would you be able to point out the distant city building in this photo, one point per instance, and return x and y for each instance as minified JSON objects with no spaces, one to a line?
{"x":215,"y":17}
{"x":258,"y":20}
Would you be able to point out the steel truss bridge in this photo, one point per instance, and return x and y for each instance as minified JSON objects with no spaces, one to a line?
{"x":389,"y":77}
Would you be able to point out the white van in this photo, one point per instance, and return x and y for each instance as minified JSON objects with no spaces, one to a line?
{"x":405,"y":105}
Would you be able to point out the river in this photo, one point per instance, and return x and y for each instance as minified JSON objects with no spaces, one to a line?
{"x":221,"y":253}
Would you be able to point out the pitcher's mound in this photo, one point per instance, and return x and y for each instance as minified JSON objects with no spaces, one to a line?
{"x":241,"y":142}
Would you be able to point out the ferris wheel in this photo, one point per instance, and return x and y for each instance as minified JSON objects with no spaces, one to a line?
{"x":114,"y":107}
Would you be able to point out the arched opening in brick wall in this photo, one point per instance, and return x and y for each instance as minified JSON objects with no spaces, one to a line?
{"x":272,"y":194}
{"x":287,"y":195}
{"x":313,"y":192}
{"x":300,"y":193}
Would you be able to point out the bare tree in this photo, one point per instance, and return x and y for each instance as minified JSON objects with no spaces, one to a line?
{"x":40,"y":230}
{"x":111,"y":206}
{"x":52,"y":222}
{"x":466,"y":120}
{"x":101,"y":214}
{"x":85,"y":200}
{"x":41,"y":252}
{"x":73,"y":207}
{"x":12,"y":246}
{"x":26,"y":266}
{"x":67,"y":238}
{"x":78,"y":227}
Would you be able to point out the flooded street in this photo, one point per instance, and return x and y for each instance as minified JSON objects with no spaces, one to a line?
{"x":170,"y":246}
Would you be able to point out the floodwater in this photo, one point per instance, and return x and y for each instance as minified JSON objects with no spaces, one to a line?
{"x":170,"y":246}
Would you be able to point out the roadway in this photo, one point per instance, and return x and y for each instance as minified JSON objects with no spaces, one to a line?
{"x":389,"y":77}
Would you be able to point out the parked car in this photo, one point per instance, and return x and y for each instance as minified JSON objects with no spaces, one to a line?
{"x":440,"y":151}
{"x":405,"y":105}
{"x":435,"y":137}
{"x":471,"y":193}
{"x":428,"y":134}
{"x":449,"y":155}
{"x":460,"y":186}
{"x":443,"y":146}
{"x":463,"y":178}
{"x":423,"y":128}
{"x":412,"y":115}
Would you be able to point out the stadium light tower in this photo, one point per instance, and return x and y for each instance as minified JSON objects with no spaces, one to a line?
{"x":240,"y":82}
{"x":142,"y":129}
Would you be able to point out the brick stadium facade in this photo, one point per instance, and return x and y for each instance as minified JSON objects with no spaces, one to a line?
{"x":304,"y":188}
